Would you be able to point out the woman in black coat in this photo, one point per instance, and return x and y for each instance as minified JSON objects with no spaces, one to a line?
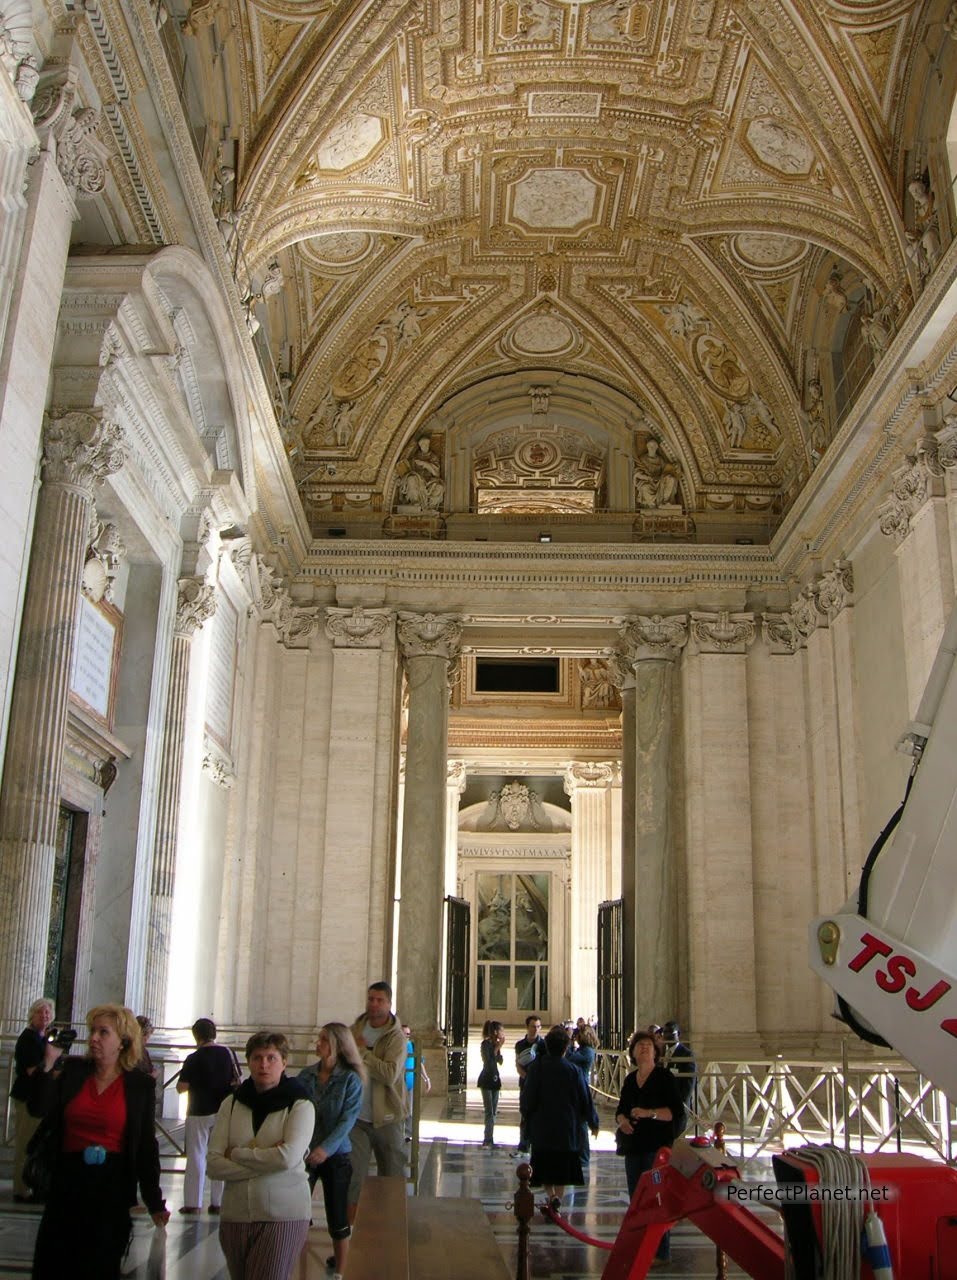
{"x":555,"y":1102}
{"x":649,"y":1113}
{"x":99,"y":1111}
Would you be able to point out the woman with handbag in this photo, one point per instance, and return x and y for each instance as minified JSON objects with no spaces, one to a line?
{"x":98,"y":1135}
{"x":648,"y":1114}
{"x":258,"y":1148}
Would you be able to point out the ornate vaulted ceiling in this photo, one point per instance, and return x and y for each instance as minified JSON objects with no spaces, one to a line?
{"x":687,"y":220}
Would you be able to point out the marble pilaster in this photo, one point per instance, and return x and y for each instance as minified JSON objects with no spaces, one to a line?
{"x":720,"y":906}
{"x":589,"y":786}
{"x":30,"y":291}
{"x":456,"y":778}
{"x":429,"y":643}
{"x":622,"y":674}
{"x":363,"y":666}
{"x":653,"y":645}
{"x":916,"y":516}
{"x":195,"y":604}
{"x":80,"y":449}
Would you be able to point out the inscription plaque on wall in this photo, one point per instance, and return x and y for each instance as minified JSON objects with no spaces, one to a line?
{"x":222,"y":673}
{"x":95,"y":654}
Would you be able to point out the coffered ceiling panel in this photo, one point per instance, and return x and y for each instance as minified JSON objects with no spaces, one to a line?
{"x":650,"y":193}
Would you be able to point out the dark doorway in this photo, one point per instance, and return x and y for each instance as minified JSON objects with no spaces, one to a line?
{"x":65,"y":901}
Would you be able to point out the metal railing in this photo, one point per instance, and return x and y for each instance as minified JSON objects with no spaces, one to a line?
{"x":765,"y":1105}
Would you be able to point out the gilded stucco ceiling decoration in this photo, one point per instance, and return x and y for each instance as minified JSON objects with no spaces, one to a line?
{"x":647,"y":194}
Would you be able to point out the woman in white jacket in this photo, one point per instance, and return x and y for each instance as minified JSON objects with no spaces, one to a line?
{"x":258,"y":1145}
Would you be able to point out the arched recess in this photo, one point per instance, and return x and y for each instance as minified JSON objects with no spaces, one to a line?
{"x":570,"y":409}
{"x":210,"y":364}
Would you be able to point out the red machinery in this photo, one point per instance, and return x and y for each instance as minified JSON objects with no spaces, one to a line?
{"x":919,"y":1217}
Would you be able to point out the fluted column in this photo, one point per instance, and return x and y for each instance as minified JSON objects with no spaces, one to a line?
{"x":589,"y":786}
{"x":622,"y":673}
{"x":196,"y":603}
{"x":428,"y":643}
{"x":653,"y":643}
{"x":79,"y":449}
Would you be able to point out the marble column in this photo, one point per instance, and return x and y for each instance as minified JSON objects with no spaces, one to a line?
{"x":79,"y":449}
{"x":653,"y":643}
{"x":195,"y":604}
{"x":428,"y":643}
{"x":589,"y":786}
{"x":622,"y":673}
{"x":719,"y":910}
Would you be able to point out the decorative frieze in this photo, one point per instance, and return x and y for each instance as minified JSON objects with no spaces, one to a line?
{"x":359,"y":627}
{"x":722,"y":632}
{"x":655,"y":636}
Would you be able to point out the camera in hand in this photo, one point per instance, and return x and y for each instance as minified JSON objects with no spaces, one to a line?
{"x":61,"y":1037}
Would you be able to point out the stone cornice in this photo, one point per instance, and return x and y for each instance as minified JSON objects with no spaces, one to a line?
{"x":601,"y":567}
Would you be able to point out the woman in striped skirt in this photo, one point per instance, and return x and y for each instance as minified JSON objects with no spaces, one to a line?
{"x":257,"y":1148}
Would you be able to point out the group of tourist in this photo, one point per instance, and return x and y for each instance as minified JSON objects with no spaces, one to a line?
{"x":85,"y":1131}
{"x":558,"y":1112}
{"x":86,"y":1126}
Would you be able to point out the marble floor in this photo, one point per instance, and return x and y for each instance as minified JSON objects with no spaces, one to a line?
{"x":452,"y":1163}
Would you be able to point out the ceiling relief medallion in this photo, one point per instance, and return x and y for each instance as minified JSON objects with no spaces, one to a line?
{"x":338,"y":250}
{"x":353,"y":141}
{"x":543,"y":332}
{"x":767,"y":252}
{"x":780,"y":146}
{"x":527,"y":22}
{"x":553,"y":105}
{"x":617,"y":22}
{"x":397,"y":331}
{"x":550,"y":200}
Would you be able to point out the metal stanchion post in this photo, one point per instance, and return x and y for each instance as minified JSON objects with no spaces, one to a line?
{"x":524,"y":1208}
{"x":720,"y":1257}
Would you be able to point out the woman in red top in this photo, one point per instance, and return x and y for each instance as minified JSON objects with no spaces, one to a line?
{"x":101,"y":1110}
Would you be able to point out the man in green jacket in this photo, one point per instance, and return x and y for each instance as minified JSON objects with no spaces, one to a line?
{"x":379,"y":1130}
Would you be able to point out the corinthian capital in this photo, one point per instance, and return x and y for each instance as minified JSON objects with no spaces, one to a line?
{"x":722,"y":632}
{"x":655,"y":636}
{"x":81,"y":449}
{"x":947,"y":443}
{"x":195,"y":604}
{"x":430,"y":634}
{"x":80,"y":155}
{"x":805,"y":612}
{"x":358,"y":628}
{"x":835,"y":588}
{"x":589,"y":774}
{"x":780,"y":633}
{"x":621,"y":671}
{"x":918,"y":479}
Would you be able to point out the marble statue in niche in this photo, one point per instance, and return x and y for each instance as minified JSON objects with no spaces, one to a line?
{"x":656,"y":478}
{"x":421,"y":487}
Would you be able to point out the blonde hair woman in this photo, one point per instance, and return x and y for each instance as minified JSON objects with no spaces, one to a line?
{"x":101,"y":1111}
{"x":334,"y":1084}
